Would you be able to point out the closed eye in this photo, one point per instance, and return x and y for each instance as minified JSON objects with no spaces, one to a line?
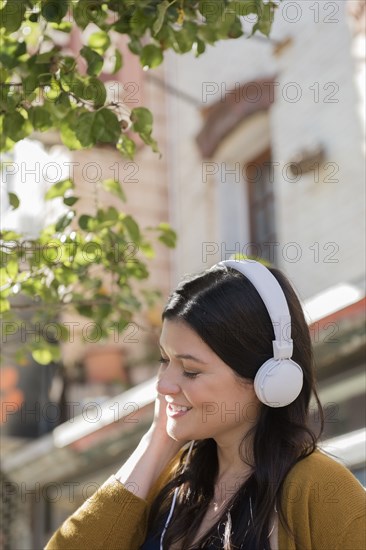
{"x":190,"y":374}
{"x":187,"y":374}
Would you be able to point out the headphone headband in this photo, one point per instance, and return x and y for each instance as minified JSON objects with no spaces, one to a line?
{"x":274,"y":299}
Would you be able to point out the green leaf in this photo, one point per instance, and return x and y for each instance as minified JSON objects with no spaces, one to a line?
{"x":9,"y":56}
{"x":102,"y":126}
{"x":4,"y":75}
{"x":12,"y":102}
{"x":54,"y":11}
{"x":33,"y":18}
{"x":118,"y":61}
{"x":81,"y":14}
{"x":109,"y":215}
{"x":88,"y":11}
{"x":184,"y":39}
{"x":167,"y":235}
{"x":59,"y":189}
{"x":68,"y":136}
{"x":162,"y":7}
{"x":40,"y":118}
{"x":65,"y":220}
{"x":151,"y":142}
{"x":63,"y":26}
{"x":14,"y":126}
{"x":99,"y":41}
{"x":199,"y":47}
{"x":13,"y":200}
{"x":91,"y":89}
{"x":42,"y":356}
{"x":92,"y":252}
{"x":46,"y":355}
{"x":264,"y":23}
{"x":139,"y":22}
{"x":96,"y":91}
{"x":52,"y":93}
{"x":67,"y":65}
{"x":142,"y":120}
{"x":12,"y":268}
{"x":45,"y":79}
{"x":244,"y":7}
{"x":94,"y":60}
{"x":3,"y":276}
{"x":12,"y":15}
{"x":151,"y":56}
{"x":147,"y":249}
{"x":70,"y":201}
{"x":233,"y":30}
{"x":4,"y":305}
{"x":132,"y":228}
{"x":10,"y":236}
{"x":86,"y":311}
{"x":63,"y":101}
{"x":114,"y":186}
{"x":85,"y":222}
{"x":126,"y":146}
{"x":135,"y":46}
{"x":30,"y":83}
{"x":106,"y":127}
{"x":60,"y":108}
{"x":83,"y":129}
{"x":212,"y":11}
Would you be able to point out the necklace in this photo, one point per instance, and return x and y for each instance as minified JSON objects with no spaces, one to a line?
{"x":216,"y":507}
{"x":212,"y":538}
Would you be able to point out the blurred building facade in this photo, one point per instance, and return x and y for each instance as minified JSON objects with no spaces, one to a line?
{"x":264,"y":155}
{"x":275,"y":134}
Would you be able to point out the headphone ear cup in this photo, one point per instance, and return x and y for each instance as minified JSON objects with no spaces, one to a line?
{"x":278,"y":382}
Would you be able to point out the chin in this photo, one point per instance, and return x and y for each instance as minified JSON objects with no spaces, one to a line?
{"x":177,"y":435}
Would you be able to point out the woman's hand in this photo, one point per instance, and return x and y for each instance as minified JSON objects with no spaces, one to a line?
{"x":158,"y":429}
{"x":159,"y":423}
{"x":160,"y":417}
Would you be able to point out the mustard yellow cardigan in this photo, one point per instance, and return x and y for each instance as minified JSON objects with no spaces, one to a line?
{"x":322,"y":501}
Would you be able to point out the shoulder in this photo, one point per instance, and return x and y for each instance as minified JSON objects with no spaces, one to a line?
{"x":319,"y":467}
{"x":320,"y":486}
{"x":324,"y":505}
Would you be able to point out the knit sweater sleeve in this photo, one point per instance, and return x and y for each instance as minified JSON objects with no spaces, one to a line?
{"x":112,"y":518}
{"x":354,"y":537}
{"x":324,"y":505}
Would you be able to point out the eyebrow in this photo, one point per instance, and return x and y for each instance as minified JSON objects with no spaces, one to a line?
{"x":186,"y":356}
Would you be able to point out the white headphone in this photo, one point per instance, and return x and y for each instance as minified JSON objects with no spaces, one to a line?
{"x":279,"y":380}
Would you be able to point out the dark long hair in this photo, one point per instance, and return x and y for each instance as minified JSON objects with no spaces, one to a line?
{"x":223,"y":307}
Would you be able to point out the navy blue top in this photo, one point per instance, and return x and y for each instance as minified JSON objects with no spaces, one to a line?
{"x":152,"y":542}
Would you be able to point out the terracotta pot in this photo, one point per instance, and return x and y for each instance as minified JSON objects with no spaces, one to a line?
{"x":105,"y":365}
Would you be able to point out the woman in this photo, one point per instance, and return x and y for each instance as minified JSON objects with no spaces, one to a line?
{"x":229,"y":461}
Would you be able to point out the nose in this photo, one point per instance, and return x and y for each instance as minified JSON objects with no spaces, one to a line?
{"x":166,"y":383}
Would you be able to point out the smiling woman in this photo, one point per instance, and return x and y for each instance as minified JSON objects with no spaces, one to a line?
{"x":215,"y":400}
{"x":229,"y":461}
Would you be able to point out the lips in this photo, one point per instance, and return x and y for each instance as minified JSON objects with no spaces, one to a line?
{"x":177,"y":410}
{"x":177,"y":407}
